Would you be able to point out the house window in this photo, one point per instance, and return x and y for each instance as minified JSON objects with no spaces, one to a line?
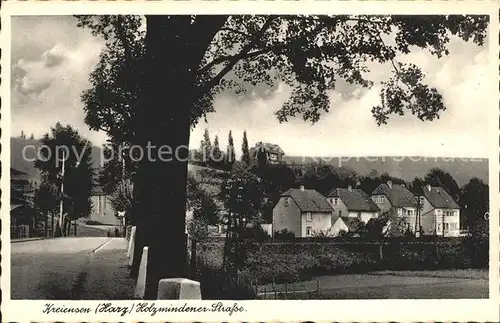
{"x":359,"y":215}
{"x":400,"y":212}
{"x":381,"y":199}
{"x":410,"y":212}
{"x":335,"y":201}
{"x":446,"y":226}
{"x":422,"y":200}
{"x":309,"y":217}
{"x":287,"y":201}
{"x":439,"y":227}
{"x":340,"y":213}
{"x":308,"y":231}
{"x":439,"y":211}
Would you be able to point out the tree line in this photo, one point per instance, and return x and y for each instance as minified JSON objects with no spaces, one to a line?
{"x":209,"y":154}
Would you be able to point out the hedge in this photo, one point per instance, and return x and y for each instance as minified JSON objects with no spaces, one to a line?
{"x":286,"y":262}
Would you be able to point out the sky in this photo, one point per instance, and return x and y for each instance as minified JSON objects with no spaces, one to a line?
{"x":52,"y":59}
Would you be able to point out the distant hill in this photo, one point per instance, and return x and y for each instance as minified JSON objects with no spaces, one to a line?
{"x":26,"y":164}
{"x":406,"y":168}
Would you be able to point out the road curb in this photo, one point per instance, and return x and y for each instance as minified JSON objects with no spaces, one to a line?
{"x":29,"y":239}
{"x":101,"y":246}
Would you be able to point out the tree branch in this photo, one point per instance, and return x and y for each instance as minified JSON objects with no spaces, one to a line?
{"x":236,"y":58}
{"x":236,"y":31}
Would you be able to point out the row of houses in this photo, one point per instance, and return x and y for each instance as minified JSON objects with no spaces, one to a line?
{"x":306,"y":212}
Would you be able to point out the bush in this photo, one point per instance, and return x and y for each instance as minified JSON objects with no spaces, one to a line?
{"x":256,"y":232}
{"x":92,"y":222}
{"x":215,"y":285}
{"x":284,"y":235}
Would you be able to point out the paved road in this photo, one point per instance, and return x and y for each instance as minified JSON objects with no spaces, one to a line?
{"x":63,"y":268}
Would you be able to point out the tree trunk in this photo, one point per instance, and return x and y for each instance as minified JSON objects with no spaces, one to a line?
{"x":172,"y":58}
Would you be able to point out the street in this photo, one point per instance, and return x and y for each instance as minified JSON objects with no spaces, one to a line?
{"x":70,"y":269}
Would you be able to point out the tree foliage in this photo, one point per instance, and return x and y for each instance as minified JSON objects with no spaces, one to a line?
{"x":245,"y":151}
{"x":78,"y":174}
{"x":440,"y":178}
{"x":474,"y":201}
{"x":201,"y":203}
{"x":308,"y":53}
{"x":230,"y":154}
{"x":122,"y":199}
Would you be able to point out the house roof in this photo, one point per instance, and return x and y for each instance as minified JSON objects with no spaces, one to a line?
{"x":354,"y":199}
{"x":439,"y":198}
{"x":353,"y":224}
{"x":398,"y":195}
{"x":308,"y":200}
{"x":271,"y":148}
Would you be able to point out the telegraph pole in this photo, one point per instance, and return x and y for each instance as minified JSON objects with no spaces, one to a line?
{"x":417,"y":218}
{"x":61,"y":214}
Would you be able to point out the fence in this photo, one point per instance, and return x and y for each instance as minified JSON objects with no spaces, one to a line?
{"x":285,"y":291}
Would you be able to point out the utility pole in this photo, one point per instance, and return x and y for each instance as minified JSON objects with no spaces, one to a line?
{"x":61,"y":208}
{"x":417,"y":217}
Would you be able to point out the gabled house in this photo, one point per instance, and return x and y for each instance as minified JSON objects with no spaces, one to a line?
{"x":273,"y":152}
{"x":303,"y":212}
{"x":353,"y":203}
{"x":440,"y":214}
{"x":396,"y":197}
{"x":348,"y":204}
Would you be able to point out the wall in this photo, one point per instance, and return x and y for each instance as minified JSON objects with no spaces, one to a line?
{"x":382,"y":206}
{"x":287,"y":217}
{"x":447,"y":220}
{"x":337,"y":226}
{"x":363,"y":216}
{"x":102,"y":211}
{"x":320,"y":222}
{"x":338,"y":210}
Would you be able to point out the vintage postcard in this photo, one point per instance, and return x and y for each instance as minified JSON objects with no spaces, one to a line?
{"x":250,"y":161}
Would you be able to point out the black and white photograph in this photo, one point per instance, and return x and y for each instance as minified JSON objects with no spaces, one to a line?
{"x":268,"y":157}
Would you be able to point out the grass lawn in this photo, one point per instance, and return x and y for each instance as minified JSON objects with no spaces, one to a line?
{"x":451,"y":284}
{"x":458,"y":273}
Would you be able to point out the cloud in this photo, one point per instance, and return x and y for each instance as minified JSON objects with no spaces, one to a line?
{"x":349,"y":129}
{"x":47,"y":89}
{"x":53,"y":57}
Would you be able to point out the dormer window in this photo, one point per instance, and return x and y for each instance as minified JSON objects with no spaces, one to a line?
{"x":335,"y":201}
{"x":287,"y":201}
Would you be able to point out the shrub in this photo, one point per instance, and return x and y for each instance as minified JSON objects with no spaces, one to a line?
{"x":255,"y":232}
{"x":92,"y":222}
{"x":284,"y":235}
{"x":215,"y":285}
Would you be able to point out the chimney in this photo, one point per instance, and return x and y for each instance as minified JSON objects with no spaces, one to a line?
{"x":302,"y":188}
{"x":389,"y":183}
{"x":349,"y":188}
{"x":429,"y":187}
